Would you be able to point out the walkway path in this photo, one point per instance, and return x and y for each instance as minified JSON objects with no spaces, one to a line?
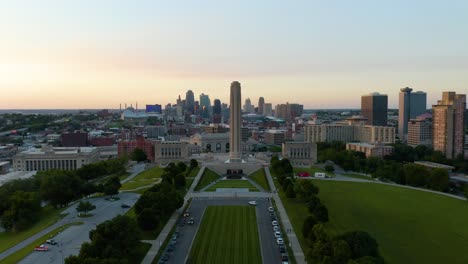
{"x":156,"y":244}
{"x":295,"y":246}
{"x":137,"y":169}
{"x":256,"y":185}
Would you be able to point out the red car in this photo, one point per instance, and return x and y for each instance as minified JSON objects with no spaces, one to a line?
{"x":41,"y":248}
{"x":303,"y":174}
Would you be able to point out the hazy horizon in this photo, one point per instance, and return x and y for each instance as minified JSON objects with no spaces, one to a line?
{"x":324,"y":55}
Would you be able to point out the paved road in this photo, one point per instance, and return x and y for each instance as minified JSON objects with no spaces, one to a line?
{"x":70,"y":240}
{"x":270,"y":251}
{"x":137,"y":169}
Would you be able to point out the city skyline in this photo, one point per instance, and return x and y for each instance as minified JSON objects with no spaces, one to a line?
{"x":89,"y":55}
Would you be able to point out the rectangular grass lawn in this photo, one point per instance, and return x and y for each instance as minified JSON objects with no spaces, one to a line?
{"x":410,"y":226}
{"x":238,"y":184}
{"x":227,"y":235}
{"x":260,"y":178}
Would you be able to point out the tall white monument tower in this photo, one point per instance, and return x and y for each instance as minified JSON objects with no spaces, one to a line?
{"x":235,"y":124}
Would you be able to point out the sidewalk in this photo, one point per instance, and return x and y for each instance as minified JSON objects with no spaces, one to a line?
{"x":156,"y":244}
{"x":295,"y":246}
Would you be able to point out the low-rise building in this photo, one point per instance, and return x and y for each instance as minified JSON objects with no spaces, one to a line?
{"x":274,"y":137}
{"x":349,"y":133}
{"x":61,"y":158}
{"x":166,"y":152}
{"x":370,"y":150}
{"x":300,"y":153}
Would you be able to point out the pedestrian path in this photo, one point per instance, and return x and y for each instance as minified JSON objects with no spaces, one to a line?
{"x":293,"y":241}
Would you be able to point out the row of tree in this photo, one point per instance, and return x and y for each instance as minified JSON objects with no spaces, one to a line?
{"x":20,"y":200}
{"x":397,"y":167}
{"x":156,"y":205}
{"x":355,"y":247}
{"x":115,"y":241}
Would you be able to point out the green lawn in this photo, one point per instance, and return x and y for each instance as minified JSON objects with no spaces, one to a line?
{"x":147,"y":177}
{"x":357,"y":176}
{"x":410,"y":226}
{"x":22,"y":253}
{"x":228,"y":234}
{"x":48,"y":217}
{"x":260,"y":178}
{"x":194,"y":172}
{"x":233,"y":184}
{"x":312,"y":171}
{"x":208,"y":177}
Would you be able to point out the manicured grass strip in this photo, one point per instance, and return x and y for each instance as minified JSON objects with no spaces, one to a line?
{"x":208,"y":177}
{"x":260,"y":178}
{"x":233,"y":184}
{"x":48,"y":217}
{"x":147,"y":177}
{"x":312,"y":171}
{"x":410,"y":226}
{"x":194,"y":172}
{"x":140,"y":253}
{"x":227,"y":235}
{"x":22,"y":253}
{"x":357,"y":176}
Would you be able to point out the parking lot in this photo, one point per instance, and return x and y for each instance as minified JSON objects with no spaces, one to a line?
{"x":179,"y":252}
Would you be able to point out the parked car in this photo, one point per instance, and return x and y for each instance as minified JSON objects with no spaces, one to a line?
{"x":125,"y":206}
{"x":282,"y":249}
{"x":165,"y":257}
{"x":274,"y":223}
{"x":284,"y":257}
{"x":270,"y":209}
{"x":253,"y":203}
{"x":41,"y":248}
{"x":277,"y":234}
{"x":275,"y":228}
{"x":279,"y":241}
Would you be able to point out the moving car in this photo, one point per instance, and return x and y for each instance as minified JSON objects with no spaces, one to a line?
{"x":41,"y":248}
{"x":186,"y":214}
{"x":51,"y":242}
{"x":191,"y":221}
{"x":253,"y":203}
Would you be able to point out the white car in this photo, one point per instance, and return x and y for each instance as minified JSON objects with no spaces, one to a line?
{"x":275,"y":228}
{"x":270,"y":209}
{"x":277,"y":234}
{"x":279,"y":241}
{"x":253,"y":203}
{"x":274,"y":223}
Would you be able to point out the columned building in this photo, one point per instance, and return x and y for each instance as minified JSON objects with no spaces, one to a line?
{"x":300,"y":153}
{"x":60,"y":158}
{"x":170,"y":151}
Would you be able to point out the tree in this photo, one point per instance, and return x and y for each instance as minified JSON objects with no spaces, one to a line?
{"x":340,"y":251}
{"x":305,"y":189}
{"x":193,"y":164}
{"x":112,"y":186}
{"x":290,"y":191}
{"x":465,"y":190}
{"x":148,"y":219}
{"x":60,"y":187}
{"x":329,"y":168}
{"x":23,"y":208}
{"x":309,"y":223}
{"x":321,"y":213}
{"x":179,"y":181}
{"x":181,"y":167}
{"x":361,"y":244}
{"x":85,"y":207}
{"x":416,"y":175}
{"x":138,"y":155}
{"x":438,"y":179}
{"x":313,"y":203}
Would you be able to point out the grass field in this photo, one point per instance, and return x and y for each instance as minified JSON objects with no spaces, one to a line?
{"x":260,"y":178}
{"x":357,"y":176}
{"x":228,"y":234}
{"x":233,"y":184}
{"x":208,"y":177}
{"x":48,"y":217}
{"x":312,"y":171}
{"x":147,"y":177}
{"x":410,"y":226}
{"x":22,"y":253}
{"x":194,"y":172}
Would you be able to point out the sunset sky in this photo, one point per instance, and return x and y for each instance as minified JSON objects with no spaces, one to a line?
{"x":323,"y":54}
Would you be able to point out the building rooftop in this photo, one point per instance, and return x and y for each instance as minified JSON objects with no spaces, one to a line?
{"x":59,"y":150}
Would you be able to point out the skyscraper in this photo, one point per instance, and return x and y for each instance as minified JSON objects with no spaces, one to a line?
{"x":261,"y":106}
{"x":268,"y":109}
{"x":248,"y":107}
{"x":410,"y":106}
{"x":235,"y":123}
{"x":205,"y":106}
{"x":190,"y":102}
{"x":374,"y":107}
{"x":217,"y":111}
{"x":448,"y":117}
